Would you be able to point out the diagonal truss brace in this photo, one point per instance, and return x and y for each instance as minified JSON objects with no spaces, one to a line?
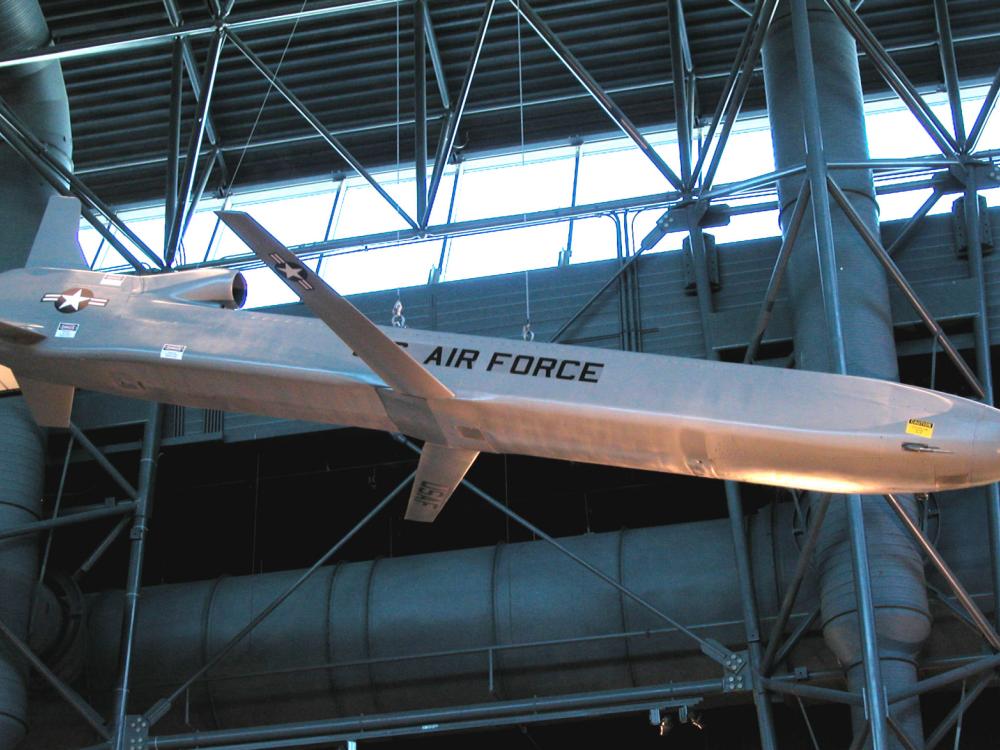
{"x":895,"y":77}
{"x":604,"y":100}
{"x":315,"y":123}
{"x":982,"y":624}
{"x":897,"y":276}
{"x":731,"y":661}
{"x":163,"y":706}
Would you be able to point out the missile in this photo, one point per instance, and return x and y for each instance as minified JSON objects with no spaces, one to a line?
{"x":180,"y":338}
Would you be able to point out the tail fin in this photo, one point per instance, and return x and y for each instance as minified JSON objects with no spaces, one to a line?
{"x":50,"y":404}
{"x":57,"y":243}
{"x":439,"y":472}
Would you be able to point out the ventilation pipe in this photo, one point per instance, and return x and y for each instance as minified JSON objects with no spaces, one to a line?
{"x":898,"y":587}
{"x":454,"y":604}
{"x":37,"y":93}
{"x":343,"y":644}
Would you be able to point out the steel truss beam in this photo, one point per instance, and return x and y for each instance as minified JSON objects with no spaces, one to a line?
{"x":74,"y":699}
{"x":956,"y":713}
{"x":194,"y":148}
{"x":735,"y":91}
{"x":24,"y":142}
{"x":712,"y":649}
{"x":322,"y":732}
{"x":109,"y":511}
{"x":778,"y":274}
{"x":435,"y":54}
{"x":984,"y":114}
{"x":163,"y":706}
{"x":603,"y":99}
{"x":983,"y":625}
{"x":194,"y":76}
{"x":894,"y":76}
{"x":984,"y":365}
{"x":449,"y":131}
{"x":315,"y":123}
{"x":684,"y":86}
{"x":138,"y":40}
{"x":949,"y":66}
{"x":893,"y":272}
{"x":98,"y":455}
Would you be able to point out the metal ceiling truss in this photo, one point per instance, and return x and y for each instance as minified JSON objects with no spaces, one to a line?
{"x":689,"y":207}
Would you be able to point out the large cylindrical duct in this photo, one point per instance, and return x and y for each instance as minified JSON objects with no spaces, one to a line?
{"x":337,"y":647}
{"x":902,"y":619}
{"x":22,"y":460}
{"x":470,"y":599}
{"x":38,"y":95}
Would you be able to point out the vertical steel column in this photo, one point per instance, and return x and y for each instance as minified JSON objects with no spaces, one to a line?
{"x":823,"y":220}
{"x":173,"y":138}
{"x":147,"y":479}
{"x":751,"y":620}
{"x":984,"y":366}
{"x":420,"y":104}
{"x":748,"y":601}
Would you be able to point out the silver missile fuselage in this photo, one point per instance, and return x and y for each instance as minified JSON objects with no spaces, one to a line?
{"x":132,"y":336}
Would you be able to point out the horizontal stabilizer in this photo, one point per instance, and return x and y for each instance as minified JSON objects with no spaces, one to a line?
{"x":57,"y":243}
{"x":7,"y":381}
{"x":391,"y":363}
{"x":440,"y":471}
{"x":50,"y":404}
{"x":18,"y":333}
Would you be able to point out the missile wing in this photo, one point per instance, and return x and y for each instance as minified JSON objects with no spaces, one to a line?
{"x":441,"y":468}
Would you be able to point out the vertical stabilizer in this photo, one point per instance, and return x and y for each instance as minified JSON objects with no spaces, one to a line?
{"x":440,"y":470}
{"x":50,"y":404}
{"x":57,"y":244}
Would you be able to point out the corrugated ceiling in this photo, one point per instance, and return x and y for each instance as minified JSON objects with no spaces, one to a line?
{"x":345,"y":69}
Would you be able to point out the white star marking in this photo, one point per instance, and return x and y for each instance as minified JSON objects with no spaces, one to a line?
{"x":294,"y":273}
{"x":74,"y":300}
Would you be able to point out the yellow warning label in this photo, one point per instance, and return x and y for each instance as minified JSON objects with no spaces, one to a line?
{"x":920,"y":428}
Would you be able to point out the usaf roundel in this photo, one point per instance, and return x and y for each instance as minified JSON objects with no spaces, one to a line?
{"x":74,"y":299}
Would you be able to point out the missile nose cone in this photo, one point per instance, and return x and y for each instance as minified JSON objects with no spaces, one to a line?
{"x":986,"y":458}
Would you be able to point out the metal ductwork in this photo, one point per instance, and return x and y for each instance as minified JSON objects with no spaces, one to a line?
{"x":22,"y":461}
{"x":464,"y":611}
{"x":37,"y":93}
{"x":446,"y":602}
{"x":898,"y":587}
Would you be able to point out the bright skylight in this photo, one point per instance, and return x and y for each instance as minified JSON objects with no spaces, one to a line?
{"x":510,"y":185}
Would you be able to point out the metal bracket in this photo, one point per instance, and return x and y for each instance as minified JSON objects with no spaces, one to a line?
{"x":711,"y":261}
{"x":737,"y":676}
{"x":135,"y":733}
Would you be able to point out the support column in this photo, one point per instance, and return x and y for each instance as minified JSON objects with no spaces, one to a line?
{"x":843,"y":322}
{"x":143,"y":509}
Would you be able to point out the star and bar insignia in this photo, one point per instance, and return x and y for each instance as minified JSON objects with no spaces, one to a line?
{"x":292,"y":271}
{"x":75,"y":299}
